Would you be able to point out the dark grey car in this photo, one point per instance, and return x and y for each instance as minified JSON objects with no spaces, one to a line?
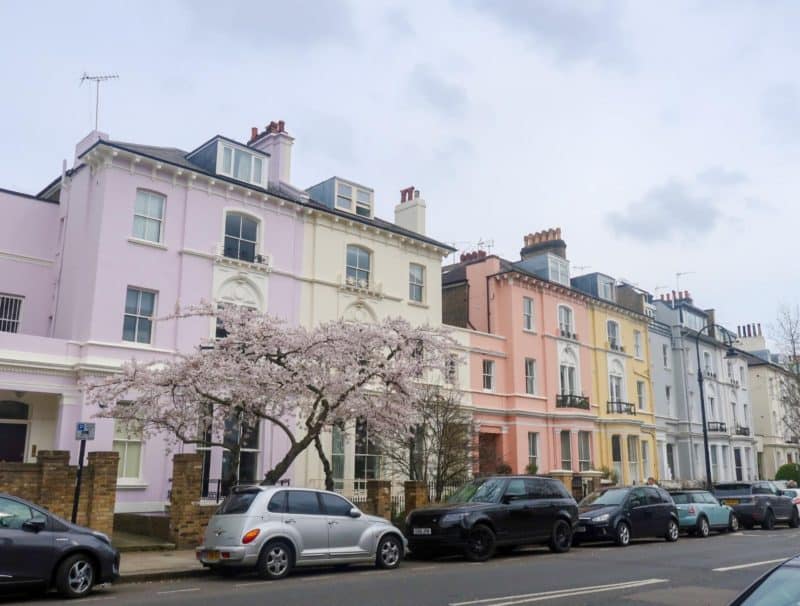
{"x":40,"y":549}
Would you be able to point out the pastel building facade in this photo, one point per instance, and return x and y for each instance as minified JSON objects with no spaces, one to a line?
{"x":89,"y":265}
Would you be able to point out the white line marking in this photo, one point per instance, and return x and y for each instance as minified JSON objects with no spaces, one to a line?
{"x":98,"y":598}
{"x":178,"y":590}
{"x":752,"y":565}
{"x":559,"y":593}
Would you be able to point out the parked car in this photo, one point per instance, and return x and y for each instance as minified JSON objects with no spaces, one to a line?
{"x":273,"y":529}
{"x":492,"y":512}
{"x":624,"y":513}
{"x":38,"y":549}
{"x":699,"y":513}
{"x":759,"y":502}
{"x":778,"y":587}
{"x":794,"y":495}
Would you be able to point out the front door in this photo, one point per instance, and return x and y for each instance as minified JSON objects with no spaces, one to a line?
{"x":487,"y":453}
{"x":347,"y":536}
{"x":304,"y":514}
{"x":12,"y":442}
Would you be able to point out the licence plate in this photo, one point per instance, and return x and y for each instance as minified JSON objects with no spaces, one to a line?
{"x":730,"y":501}
{"x":580,"y":529}
{"x":212,"y":556}
{"x":419,"y":531}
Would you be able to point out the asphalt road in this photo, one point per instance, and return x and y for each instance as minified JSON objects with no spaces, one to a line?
{"x":690,"y":572}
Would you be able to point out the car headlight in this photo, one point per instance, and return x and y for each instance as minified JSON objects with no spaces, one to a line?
{"x":451,"y":519}
{"x":601,"y":518}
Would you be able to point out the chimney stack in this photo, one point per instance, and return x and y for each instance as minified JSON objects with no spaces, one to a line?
{"x":545,"y":241}
{"x":276,"y":142}
{"x":410,"y":211}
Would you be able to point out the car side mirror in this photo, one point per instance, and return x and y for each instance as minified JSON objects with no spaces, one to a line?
{"x":34,"y":524}
{"x":355,"y":512}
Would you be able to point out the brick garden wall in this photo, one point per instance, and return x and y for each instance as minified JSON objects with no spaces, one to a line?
{"x":188,"y":518}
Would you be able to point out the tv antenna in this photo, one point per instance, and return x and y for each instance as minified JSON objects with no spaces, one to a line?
{"x":97,"y":79}
{"x":678,"y":278}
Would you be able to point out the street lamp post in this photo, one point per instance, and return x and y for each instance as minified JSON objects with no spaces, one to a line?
{"x":730,"y":354}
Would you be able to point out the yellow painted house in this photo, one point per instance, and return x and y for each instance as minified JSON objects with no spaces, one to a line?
{"x":621,"y":384}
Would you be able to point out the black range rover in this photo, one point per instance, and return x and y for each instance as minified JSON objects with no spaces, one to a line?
{"x":492,"y":512}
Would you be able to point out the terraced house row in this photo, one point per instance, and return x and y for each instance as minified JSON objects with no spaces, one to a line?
{"x":581,"y":377}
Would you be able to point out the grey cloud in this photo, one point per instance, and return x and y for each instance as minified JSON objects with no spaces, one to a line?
{"x":399,"y":24}
{"x":780,"y":111}
{"x":296,"y":24}
{"x":665,"y":211}
{"x":437,"y":93}
{"x":720,"y":176}
{"x":572,"y":30}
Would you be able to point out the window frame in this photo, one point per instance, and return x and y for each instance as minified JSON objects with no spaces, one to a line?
{"x":138,"y":316}
{"x":161,"y":220}
{"x":232,"y":173}
{"x":243,"y":215}
{"x":528,"y":315}
{"x":568,"y":327}
{"x":354,"y":280}
{"x":126,"y":441}
{"x":637,"y":345}
{"x":665,"y":357}
{"x":530,"y":376}
{"x":533,"y":448}
{"x":641,"y":394}
{"x":412,"y":283}
{"x":361,"y":205}
{"x":584,"y":464}
{"x":488,"y":371}
{"x":11,"y":303}
{"x":615,"y":340}
{"x":568,"y":442}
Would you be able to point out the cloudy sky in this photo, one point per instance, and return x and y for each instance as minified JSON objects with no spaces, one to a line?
{"x":661,"y":137}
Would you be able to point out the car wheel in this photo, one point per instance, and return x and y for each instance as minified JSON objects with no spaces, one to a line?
{"x":794,"y":521}
{"x":275,"y":561}
{"x":703,"y":529}
{"x":480,"y":543}
{"x":561,"y":537}
{"x":75,"y":576}
{"x":673,"y":531}
{"x":623,"y":536}
{"x":733,"y":523}
{"x":390,"y":552}
{"x":768,"y":523}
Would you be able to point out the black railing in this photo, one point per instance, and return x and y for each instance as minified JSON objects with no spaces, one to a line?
{"x":793,"y":440}
{"x":616,"y":346}
{"x":717,"y":426}
{"x":567,"y":334}
{"x":624,"y":408}
{"x":742,"y":431}
{"x":568,"y":400}
{"x":213,"y":490}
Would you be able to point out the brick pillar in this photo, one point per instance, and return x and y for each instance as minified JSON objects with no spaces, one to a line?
{"x":416,"y":494}
{"x":565,"y":477}
{"x":56,"y":482}
{"x":187,"y":477}
{"x":100,"y":490}
{"x":380,"y":493}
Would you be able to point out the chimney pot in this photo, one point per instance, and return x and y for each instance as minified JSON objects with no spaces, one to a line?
{"x":759,"y":328}
{"x":281,"y":126}
{"x":253,"y":132}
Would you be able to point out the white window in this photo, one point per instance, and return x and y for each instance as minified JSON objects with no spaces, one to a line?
{"x":566,"y":450}
{"x":128,"y":443}
{"x":558,"y":269}
{"x":584,"y":451}
{"x":613,"y":335}
{"x":646,"y":458}
{"x":363,"y":203}
{"x":712,"y":409}
{"x":242,"y":165}
{"x":358,"y":266}
{"x":416,"y":282}
{"x":527,"y":313}
{"x":533,"y":449}
{"x":668,"y":394}
{"x":10,"y":313}
{"x":140,"y":306}
{"x":615,"y":388}
{"x":633,"y":458}
{"x":488,"y":375}
{"x":741,"y":375}
{"x":565,"y":324}
{"x":637,"y":344}
{"x":344,"y":196}
{"x":665,"y":355}
{"x":241,"y":237}
{"x":641,"y":394}
{"x":148,"y":216}
{"x":530,"y":376}
{"x":568,"y":378}
{"x":714,"y":469}
{"x":707,"y":367}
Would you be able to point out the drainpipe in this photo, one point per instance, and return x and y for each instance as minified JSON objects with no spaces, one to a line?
{"x":488,"y":310}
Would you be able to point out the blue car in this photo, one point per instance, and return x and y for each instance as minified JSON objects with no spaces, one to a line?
{"x":699,"y":513}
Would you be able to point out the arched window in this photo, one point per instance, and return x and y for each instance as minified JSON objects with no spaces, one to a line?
{"x":241,"y":237}
{"x":359,"y":263}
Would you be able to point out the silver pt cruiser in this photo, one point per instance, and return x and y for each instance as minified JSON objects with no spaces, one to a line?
{"x":274,"y":529}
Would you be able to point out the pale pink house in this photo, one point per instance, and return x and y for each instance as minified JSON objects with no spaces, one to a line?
{"x":530,"y":362}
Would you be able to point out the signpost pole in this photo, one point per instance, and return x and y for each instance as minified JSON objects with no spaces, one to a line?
{"x":78,"y":482}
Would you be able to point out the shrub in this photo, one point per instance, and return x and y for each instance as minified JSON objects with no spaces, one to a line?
{"x":503,"y":468}
{"x":790,"y":471}
{"x":609,"y":474}
{"x":532,"y":469}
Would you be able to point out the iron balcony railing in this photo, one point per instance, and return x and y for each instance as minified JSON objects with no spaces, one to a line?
{"x":717,"y":426}
{"x":793,"y":440}
{"x":624,"y":408}
{"x":742,"y":431}
{"x":568,"y":400}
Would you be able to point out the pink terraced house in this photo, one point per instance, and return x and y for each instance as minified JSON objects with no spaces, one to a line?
{"x":529,"y":359}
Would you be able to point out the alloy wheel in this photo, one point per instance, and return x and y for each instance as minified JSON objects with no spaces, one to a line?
{"x":481,"y":544}
{"x":733,"y":524}
{"x":80,"y":577}
{"x":277,"y":561}
{"x":389,"y":552}
{"x":704,"y":529}
{"x":673,"y":531}
{"x":623,"y":534}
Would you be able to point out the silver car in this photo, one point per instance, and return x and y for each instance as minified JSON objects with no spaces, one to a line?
{"x":273,"y":529}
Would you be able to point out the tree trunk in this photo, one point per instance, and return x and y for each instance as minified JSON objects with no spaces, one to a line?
{"x":274,"y":474}
{"x":326,"y":464}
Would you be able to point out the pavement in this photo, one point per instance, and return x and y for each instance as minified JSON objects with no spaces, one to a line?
{"x":138,"y":566}
{"x":690,"y":572}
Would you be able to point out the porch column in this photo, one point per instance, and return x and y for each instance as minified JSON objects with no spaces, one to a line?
{"x":69,"y":413}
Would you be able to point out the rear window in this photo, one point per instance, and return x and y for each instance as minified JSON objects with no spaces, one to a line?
{"x":681,"y":498}
{"x":303,"y":502}
{"x":726,"y":490}
{"x":237,"y":502}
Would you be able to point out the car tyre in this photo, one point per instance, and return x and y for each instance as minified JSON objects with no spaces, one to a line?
{"x":276,"y":560}
{"x":703,"y":529}
{"x":733,"y":523}
{"x":623,"y":534}
{"x":561,"y":537}
{"x":75,"y":576}
{"x":673,"y":531}
{"x":794,"y":521}
{"x":481,"y":543}
{"x":390,"y":552}
{"x":768,"y":523}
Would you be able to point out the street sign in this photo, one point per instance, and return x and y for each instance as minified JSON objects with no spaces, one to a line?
{"x":84,"y":431}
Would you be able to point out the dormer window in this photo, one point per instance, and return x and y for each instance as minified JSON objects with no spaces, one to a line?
{"x":241,"y":165}
{"x":347,"y":195}
{"x":344,"y":197}
{"x":363,"y":203}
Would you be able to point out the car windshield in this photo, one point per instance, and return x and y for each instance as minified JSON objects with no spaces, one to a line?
{"x":237,"y":502}
{"x":724,"y":490}
{"x":681,"y":498}
{"x":781,"y":588}
{"x":479,"y":491}
{"x":612,"y":496}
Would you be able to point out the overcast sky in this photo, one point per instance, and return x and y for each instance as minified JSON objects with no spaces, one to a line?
{"x":661,"y":137}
